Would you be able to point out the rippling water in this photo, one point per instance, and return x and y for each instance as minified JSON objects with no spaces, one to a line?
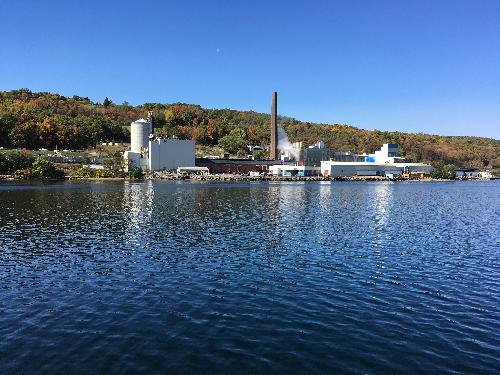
{"x":161,"y":277}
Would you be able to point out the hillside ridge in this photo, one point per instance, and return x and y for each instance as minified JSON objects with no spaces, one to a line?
{"x":42,"y":119}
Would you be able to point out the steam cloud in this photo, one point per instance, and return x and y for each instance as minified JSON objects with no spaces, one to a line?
{"x":284,"y":144}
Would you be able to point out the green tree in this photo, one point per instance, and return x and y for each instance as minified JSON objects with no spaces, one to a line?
{"x":7,"y":122}
{"x":116,"y":163}
{"x":4,"y":164}
{"x":260,"y":154}
{"x":235,"y":142}
{"x":14,"y":161}
{"x":44,"y":168}
{"x":25,"y":135}
{"x":107,"y":102}
{"x":135,"y":173}
{"x":444,"y":171}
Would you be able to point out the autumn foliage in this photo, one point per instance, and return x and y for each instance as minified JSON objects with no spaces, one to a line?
{"x":35,"y":120}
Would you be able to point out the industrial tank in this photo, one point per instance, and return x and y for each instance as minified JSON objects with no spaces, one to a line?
{"x":139,"y":135}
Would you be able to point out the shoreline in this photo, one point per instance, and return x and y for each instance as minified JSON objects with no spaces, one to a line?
{"x":233,"y":178}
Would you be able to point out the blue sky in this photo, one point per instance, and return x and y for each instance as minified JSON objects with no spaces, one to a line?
{"x":416,"y":66}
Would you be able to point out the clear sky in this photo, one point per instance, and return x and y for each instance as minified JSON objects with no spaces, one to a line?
{"x":410,"y":65}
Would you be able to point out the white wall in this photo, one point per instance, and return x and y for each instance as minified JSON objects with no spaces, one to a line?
{"x":135,"y":159}
{"x":382,"y":155}
{"x":169,"y":154}
{"x":301,"y":170}
{"x":354,"y":169}
{"x":348,"y":169}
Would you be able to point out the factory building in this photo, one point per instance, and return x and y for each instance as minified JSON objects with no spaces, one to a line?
{"x":297,"y":160}
{"x":301,"y":161}
{"x":246,"y":166}
{"x":347,"y":156}
{"x":294,"y":170}
{"x":235,"y":166}
{"x":389,"y":153}
{"x":156,"y":154}
{"x":348,"y":169}
{"x":384,"y":162}
{"x":313,"y":155}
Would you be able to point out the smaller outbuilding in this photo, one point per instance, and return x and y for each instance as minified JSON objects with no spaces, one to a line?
{"x":465,"y":173}
{"x":294,"y":170}
{"x":472,"y":173}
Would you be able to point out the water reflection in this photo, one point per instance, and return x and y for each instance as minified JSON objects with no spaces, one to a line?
{"x":138,"y":200}
{"x":162,"y":277}
{"x":382,"y":203}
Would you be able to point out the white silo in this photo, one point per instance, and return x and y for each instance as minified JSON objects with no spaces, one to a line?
{"x":139,"y":135}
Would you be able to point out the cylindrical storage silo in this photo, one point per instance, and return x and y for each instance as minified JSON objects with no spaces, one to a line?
{"x":139,"y":136}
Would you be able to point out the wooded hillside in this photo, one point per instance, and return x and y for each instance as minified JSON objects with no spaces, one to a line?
{"x":35,"y":120}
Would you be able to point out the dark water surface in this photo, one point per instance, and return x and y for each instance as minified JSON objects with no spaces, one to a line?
{"x":250,"y":278}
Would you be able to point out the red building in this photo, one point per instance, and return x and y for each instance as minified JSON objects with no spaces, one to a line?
{"x":235,"y":166}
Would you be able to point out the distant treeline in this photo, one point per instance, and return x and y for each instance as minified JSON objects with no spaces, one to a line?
{"x":35,"y":120}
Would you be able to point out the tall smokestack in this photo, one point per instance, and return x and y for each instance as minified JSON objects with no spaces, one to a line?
{"x":273,"y":148}
{"x":150,"y":122}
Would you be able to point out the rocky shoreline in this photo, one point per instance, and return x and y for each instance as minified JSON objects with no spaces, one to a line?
{"x":246,"y":178}
{"x":166,"y":176}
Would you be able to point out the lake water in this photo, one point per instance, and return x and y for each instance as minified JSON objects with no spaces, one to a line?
{"x":160,"y":277}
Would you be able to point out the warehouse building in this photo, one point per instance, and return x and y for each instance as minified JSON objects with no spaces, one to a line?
{"x":385,"y":162}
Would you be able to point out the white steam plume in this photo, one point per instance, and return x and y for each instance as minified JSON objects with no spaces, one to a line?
{"x":284,"y":144}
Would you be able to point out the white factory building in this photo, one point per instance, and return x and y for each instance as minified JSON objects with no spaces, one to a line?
{"x":293,"y":170}
{"x":385,"y":162}
{"x":156,"y":154}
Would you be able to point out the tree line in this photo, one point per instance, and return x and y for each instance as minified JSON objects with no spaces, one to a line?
{"x":35,"y":120}
{"x":24,"y":165}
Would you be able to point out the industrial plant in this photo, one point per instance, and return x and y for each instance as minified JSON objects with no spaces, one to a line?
{"x":297,"y":160}
{"x":151,"y":153}
{"x":384,"y":162}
